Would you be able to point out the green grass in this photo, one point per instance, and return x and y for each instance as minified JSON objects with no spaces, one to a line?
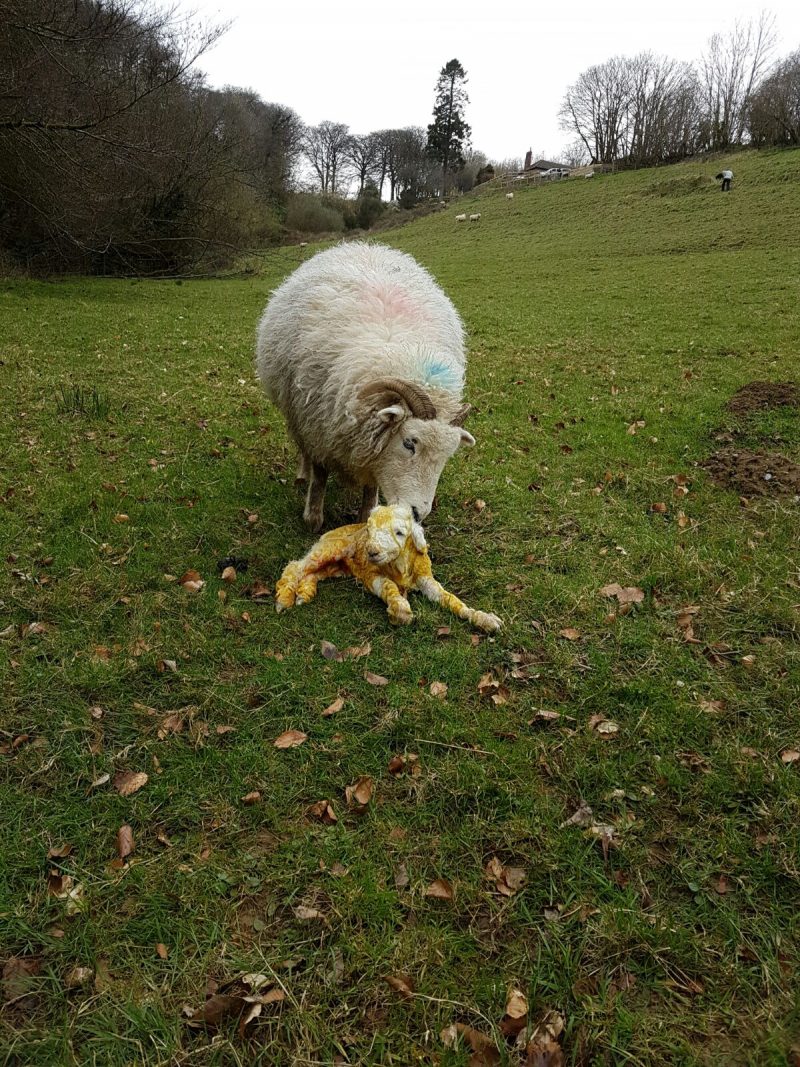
{"x":590,"y":305}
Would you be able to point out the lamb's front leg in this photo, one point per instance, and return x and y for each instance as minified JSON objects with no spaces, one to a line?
{"x":484,"y":620}
{"x":397,"y":607}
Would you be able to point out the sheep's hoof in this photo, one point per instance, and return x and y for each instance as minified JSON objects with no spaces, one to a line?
{"x":314,"y":520}
{"x":484,"y":620}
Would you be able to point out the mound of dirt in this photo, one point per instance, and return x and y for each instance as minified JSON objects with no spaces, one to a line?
{"x":759,"y":396}
{"x":753,"y":473}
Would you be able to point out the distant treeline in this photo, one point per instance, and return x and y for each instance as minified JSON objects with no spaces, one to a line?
{"x":648,"y":109}
{"x":116,"y":157}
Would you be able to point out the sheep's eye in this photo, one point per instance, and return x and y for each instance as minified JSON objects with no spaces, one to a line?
{"x":399,"y":532}
{"x":410,"y":444}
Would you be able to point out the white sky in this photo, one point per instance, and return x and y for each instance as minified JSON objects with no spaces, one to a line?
{"x":374,"y":65}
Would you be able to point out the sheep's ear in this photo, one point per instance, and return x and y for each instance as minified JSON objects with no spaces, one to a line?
{"x":466,"y":438}
{"x":418,"y":537}
{"x":392,"y":415}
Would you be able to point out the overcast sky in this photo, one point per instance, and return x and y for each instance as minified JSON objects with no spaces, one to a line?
{"x":374,"y":65}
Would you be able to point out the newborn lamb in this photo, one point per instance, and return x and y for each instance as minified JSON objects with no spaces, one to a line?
{"x":388,"y":554}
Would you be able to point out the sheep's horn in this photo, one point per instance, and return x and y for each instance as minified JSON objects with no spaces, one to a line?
{"x":460,"y":416}
{"x":416,"y":399}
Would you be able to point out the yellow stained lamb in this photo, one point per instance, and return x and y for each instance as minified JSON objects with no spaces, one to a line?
{"x":388,"y":555}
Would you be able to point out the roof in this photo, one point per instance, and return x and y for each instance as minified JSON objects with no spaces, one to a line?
{"x":544,"y":164}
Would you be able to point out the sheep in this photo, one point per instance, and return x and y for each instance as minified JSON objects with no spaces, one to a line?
{"x":461,"y":218}
{"x":509,"y":196}
{"x":475,"y":218}
{"x":388,"y":555}
{"x":364,"y":355}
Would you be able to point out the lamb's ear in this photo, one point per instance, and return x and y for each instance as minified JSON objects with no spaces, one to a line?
{"x":466,"y":438}
{"x":392,"y":415}
{"x":418,"y":537}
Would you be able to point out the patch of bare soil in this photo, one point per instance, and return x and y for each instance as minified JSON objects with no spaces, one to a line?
{"x":760,"y":396}
{"x":753,"y":473}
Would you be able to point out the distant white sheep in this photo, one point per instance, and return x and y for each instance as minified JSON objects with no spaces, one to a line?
{"x":589,"y":174}
{"x":461,"y":218}
{"x":509,"y":196}
{"x":475,"y":218}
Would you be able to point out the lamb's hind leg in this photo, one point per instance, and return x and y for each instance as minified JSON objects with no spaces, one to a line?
{"x":315,"y":498}
{"x":484,"y":620}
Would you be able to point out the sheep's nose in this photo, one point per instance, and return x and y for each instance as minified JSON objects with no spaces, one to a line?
{"x":374,"y":556}
{"x":415,"y":513}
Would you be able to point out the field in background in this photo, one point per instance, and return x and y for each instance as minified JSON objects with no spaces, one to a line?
{"x":638,"y":762}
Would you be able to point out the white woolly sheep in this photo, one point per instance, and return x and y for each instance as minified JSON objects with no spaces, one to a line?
{"x":475,"y":218}
{"x":509,"y":196}
{"x":364,"y":355}
{"x":461,"y":218}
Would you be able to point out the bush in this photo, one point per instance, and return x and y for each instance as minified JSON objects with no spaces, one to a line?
{"x":309,"y":214}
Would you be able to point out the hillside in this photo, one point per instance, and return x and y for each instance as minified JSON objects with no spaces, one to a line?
{"x":601,"y":811}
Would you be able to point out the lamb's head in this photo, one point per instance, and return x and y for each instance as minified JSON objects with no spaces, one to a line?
{"x":411,"y":445}
{"x":391,"y":531}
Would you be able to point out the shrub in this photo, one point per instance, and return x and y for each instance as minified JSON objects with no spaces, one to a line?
{"x":310,"y":214}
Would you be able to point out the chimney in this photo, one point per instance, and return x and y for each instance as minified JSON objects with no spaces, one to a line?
{"x":528,"y":159}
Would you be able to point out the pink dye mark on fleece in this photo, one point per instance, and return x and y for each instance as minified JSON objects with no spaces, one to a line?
{"x":385,"y":303}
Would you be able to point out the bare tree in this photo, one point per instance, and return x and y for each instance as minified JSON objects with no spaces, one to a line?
{"x":729,"y":71}
{"x":774,"y":112}
{"x":595,"y":110}
{"x":325,"y":148}
{"x":362,"y":154}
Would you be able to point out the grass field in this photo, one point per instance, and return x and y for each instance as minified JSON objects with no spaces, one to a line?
{"x":610,"y":322}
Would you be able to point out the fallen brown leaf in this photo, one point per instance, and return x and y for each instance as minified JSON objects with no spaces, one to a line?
{"x":162,"y":951}
{"x":507,"y":880}
{"x":485,"y":1051}
{"x":125,"y":842}
{"x":331,"y":709}
{"x":322,"y":810}
{"x":290,"y":739}
{"x":191,"y":581}
{"x":59,"y":852}
{"x":570,"y":633}
{"x":440,"y":889}
{"x":516,"y":1004}
{"x":170,"y":724}
{"x":402,"y":984}
{"x":251,"y":798}
{"x":77,"y":977}
{"x":228,"y":575}
{"x":360,"y":792}
{"x":628,"y":594}
{"x":127,"y":783}
{"x":375,"y":679}
{"x":790,"y":755}
{"x":438,"y":689}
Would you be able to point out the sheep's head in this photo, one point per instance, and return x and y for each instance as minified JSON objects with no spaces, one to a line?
{"x":390,"y":531}
{"x":412,"y":445}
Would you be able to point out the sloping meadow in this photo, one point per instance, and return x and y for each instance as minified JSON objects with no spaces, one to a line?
{"x":234,"y":837}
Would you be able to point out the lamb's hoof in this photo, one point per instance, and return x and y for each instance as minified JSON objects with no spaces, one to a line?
{"x":484,"y":620}
{"x":401,"y":616}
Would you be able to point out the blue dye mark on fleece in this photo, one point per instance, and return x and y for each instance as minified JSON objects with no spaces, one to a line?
{"x":442,"y":374}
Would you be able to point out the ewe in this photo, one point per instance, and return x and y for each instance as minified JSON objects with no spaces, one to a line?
{"x":364,"y":355}
{"x":475,"y":218}
{"x":388,"y":555}
{"x":461,"y":218}
{"x":509,"y":196}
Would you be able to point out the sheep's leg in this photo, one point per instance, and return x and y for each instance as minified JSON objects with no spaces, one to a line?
{"x":369,"y":499}
{"x":397,"y":607}
{"x":484,"y":620}
{"x":303,"y":468}
{"x":315,"y":498}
